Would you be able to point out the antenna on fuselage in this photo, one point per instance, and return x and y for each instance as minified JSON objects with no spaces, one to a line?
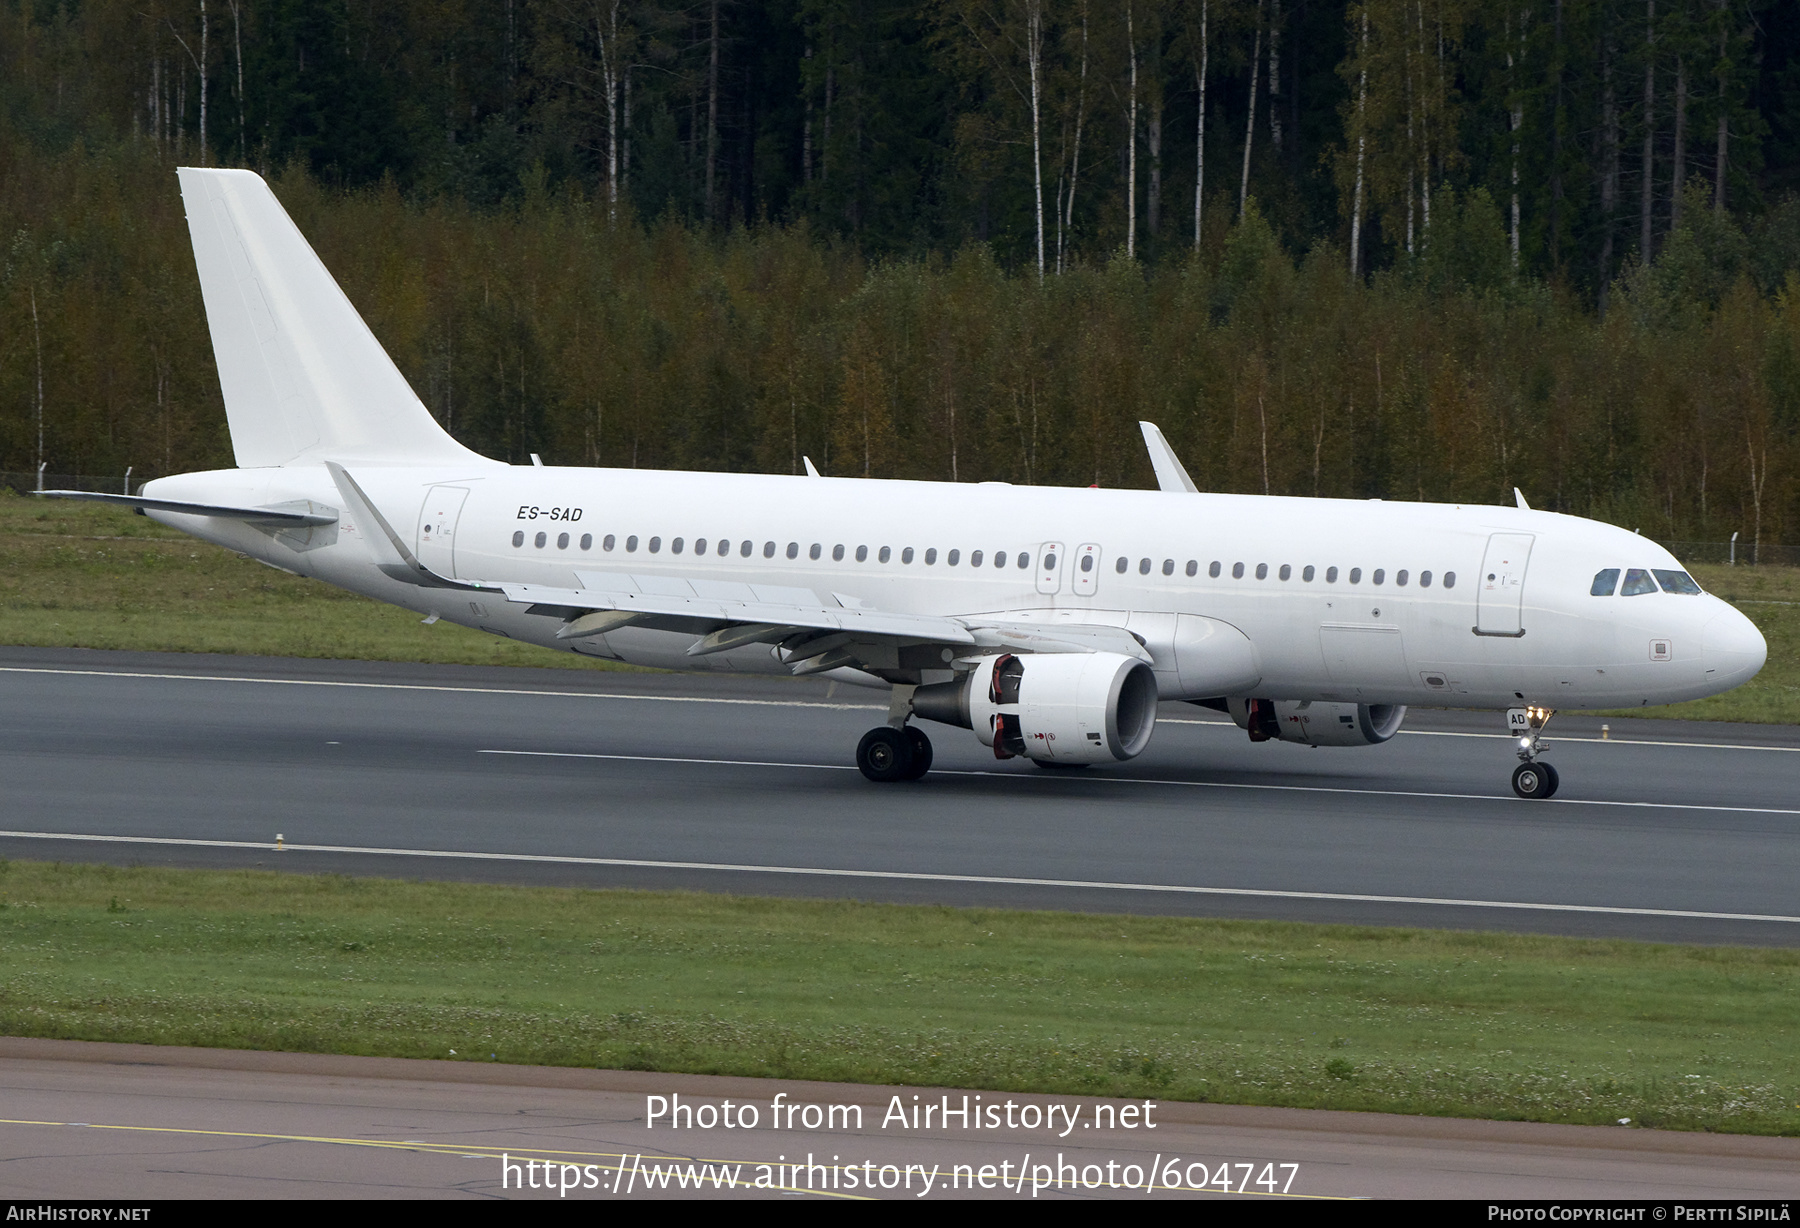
{"x":1523,"y":506}
{"x":810,"y":471}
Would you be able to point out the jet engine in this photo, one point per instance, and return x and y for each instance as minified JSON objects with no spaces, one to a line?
{"x":1071,"y":708}
{"x":1316,"y":723}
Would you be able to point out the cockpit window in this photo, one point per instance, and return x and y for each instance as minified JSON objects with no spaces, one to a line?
{"x":1637,"y":583}
{"x":1605,"y":582}
{"x":1677,"y":582}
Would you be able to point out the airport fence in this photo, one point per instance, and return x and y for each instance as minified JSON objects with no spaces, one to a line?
{"x":105,"y":483}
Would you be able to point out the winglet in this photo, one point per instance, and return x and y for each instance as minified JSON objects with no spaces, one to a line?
{"x":1170,"y":474}
{"x":1523,"y":506}
{"x":810,"y":471}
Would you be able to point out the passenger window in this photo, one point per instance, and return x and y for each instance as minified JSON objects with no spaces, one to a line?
{"x":837,"y":554}
{"x":1262,"y":571}
{"x":862,"y":554}
{"x":1307,"y":574}
{"x":793,"y":550}
{"x":1120,"y":564}
{"x":744,"y":549}
{"x":587,"y":541}
{"x":541,"y":539}
{"x":1287,"y":572}
{"x":1143,"y":567}
{"x":931,"y":556}
{"x":1424,"y":579}
{"x":724,"y":547}
{"x":1400,"y":577}
{"x":1605,"y":582}
{"x":1000,"y":558}
{"x":675,"y":546}
{"x":1214,"y":570}
{"x":1087,"y":563}
{"x":1637,"y":583}
{"x":655,"y":543}
{"x":1380,"y":576}
{"x":1449,"y":579}
{"x":906,"y":555}
{"x":699,"y":545}
{"x":1331,"y":575}
{"x":1024,"y":560}
{"x":562,"y":541}
{"x":975,"y":557}
{"x":1237,"y":571}
{"x":1356,"y":575}
{"x":606,"y":543}
{"x":816,"y":551}
{"x":1677,"y":582}
{"x":885,"y":555}
{"x":519,"y":538}
{"x":954,"y":557}
{"x":1168,"y":567}
{"x":1193,"y":567}
{"x":768,"y":550}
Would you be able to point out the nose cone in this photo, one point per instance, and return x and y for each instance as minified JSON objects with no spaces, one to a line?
{"x":1732,"y":650}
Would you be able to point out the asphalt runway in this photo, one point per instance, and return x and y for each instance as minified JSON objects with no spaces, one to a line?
{"x":1663,"y":830}
{"x":135,"y":1122}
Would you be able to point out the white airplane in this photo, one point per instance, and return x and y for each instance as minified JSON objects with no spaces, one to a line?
{"x":1048,"y":621}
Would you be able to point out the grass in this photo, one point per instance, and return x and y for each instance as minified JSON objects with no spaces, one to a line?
{"x":82,"y":575}
{"x":1414,"y":1021}
{"x":86,"y":575}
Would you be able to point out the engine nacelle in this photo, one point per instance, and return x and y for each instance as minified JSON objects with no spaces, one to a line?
{"x":1077,"y":707}
{"x":1317,"y":723}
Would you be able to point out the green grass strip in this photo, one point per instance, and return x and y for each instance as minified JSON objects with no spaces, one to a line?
{"x":1405,"y":1021}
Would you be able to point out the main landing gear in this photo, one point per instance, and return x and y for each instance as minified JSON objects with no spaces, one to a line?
{"x":886,"y":753}
{"x":1532,"y":780}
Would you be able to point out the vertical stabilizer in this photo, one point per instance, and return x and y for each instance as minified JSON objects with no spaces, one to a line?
{"x":304,"y":378}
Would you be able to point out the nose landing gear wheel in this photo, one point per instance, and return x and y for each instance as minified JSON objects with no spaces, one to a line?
{"x":885,"y":754}
{"x":1535,"y":781}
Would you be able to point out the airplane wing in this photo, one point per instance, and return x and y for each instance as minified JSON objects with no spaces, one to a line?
{"x":813,"y":635}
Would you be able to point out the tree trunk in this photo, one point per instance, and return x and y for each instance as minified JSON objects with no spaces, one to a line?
{"x":1648,"y":195}
{"x":1275,"y":77}
{"x":1250,"y":117}
{"x":1080,"y":117}
{"x":1678,"y":174}
{"x":1034,"y":46}
{"x":1362,"y":140}
{"x":1609,"y":167}
{"x":1200,"y":126}
{"x":1131,"y":144}
{"x":1724,"y":124}
{"x":712,"y":108}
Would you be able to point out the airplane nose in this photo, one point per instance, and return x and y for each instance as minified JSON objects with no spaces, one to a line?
{"x":1732,"y":649}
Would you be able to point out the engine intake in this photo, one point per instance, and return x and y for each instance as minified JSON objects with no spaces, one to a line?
{"x":1317,"y":723}
{"x":1080,"y":707}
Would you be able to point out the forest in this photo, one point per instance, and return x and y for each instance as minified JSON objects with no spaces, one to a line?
{"x":1404,"y":249}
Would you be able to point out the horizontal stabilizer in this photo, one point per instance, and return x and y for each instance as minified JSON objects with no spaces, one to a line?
{"x":288,"y":515}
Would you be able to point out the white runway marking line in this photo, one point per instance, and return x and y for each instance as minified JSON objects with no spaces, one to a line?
{"x":1138,"y":780}
{"x":904,"y":875}
{"x":759,"y":703}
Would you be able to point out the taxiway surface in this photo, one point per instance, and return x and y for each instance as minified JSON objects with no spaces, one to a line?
{"x":1663,"y":830}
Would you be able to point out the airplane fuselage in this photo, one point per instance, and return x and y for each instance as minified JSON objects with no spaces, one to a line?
{"x":1351,"y":601}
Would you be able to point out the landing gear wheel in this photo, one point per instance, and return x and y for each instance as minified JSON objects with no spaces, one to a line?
{"x":921,"y":752}
{"x":885,"y":754}
{"x":1535,"y":781}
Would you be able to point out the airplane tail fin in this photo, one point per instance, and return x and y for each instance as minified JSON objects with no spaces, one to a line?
{"x":304,"y":378}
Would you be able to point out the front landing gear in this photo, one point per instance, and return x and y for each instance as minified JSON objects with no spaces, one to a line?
{"x":1531,"y":779}
{"x":1534,"y":780}
{"x":886,"y":753}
